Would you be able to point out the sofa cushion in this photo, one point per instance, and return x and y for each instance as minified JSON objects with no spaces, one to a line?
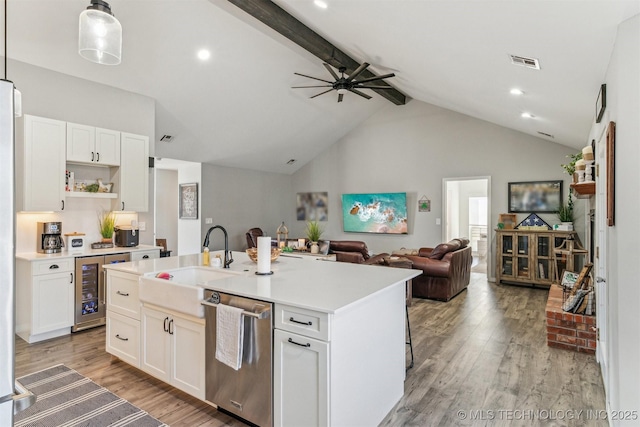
{"x":443,"y":248}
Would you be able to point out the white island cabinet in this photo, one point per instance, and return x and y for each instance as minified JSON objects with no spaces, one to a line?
{"x":339,"y":336}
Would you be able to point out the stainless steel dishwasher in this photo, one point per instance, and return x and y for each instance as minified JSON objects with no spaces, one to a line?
{"x":246,"y":392}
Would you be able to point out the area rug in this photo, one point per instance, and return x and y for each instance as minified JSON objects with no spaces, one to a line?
{"x":66,"y":398}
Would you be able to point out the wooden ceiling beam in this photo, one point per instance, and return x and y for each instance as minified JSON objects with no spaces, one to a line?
{"x":284,"y":23}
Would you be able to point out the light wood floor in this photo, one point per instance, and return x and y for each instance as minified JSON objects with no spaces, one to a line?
{"x":484,"y":351}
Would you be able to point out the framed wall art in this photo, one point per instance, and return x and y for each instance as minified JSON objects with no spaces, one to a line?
{"x":611,"y":164}
{"x":535,"y":196}
{"x":188,"y":201}
{"x":312,"y":206}
{"x":601,"y":103}
{"x":384,"y":213}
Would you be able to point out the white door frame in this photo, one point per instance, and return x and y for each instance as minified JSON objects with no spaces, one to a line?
{"x":445,"y":205}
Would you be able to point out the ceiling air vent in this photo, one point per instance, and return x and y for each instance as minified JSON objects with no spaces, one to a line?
{"x":166,"y":138}
{"x":546,"y":134}
{"x":525,"y":62}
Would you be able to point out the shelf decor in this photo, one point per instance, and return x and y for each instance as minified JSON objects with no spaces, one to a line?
{"x":189,"y":201}
{"x":533,"y":222}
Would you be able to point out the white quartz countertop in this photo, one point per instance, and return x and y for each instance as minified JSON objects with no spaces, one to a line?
{"x":317,"y":285}
{"x":35,"y":256}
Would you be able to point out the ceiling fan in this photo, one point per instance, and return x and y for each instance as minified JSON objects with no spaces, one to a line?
{"x":343,"y":84}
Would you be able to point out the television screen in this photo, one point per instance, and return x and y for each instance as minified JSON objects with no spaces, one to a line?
{"x":375,"y":213}
{"x":535,"y":196}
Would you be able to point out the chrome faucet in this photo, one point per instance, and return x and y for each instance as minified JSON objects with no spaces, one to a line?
{"x":228,"y":257}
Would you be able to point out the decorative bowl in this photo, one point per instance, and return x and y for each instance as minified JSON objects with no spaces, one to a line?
{"x":253,"y":254}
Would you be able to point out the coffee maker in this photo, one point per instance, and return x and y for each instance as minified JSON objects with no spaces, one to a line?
{"x":49,"y":235}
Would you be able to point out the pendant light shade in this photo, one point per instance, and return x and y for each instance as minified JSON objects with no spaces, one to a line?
{"x":100,"y":36}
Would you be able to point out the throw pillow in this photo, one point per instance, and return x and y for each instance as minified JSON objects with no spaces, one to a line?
{"x":439,"y":251}
{"x":405,"y":251}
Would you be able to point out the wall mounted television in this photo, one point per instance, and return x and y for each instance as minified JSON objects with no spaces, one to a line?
{"x":384,"y":213}
{"x":535,"y":196}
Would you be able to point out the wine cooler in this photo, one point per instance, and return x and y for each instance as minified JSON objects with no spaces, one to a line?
{"x":90,"y":290}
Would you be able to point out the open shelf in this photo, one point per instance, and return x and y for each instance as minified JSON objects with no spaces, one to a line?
{"x":88,"y":195}
{"x":584,"y":189}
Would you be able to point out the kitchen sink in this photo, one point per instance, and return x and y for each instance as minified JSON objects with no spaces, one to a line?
{"x":182,"y":290}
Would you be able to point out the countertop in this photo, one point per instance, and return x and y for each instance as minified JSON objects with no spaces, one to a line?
{"x":317,"y":285}
{"x":36,"y":256}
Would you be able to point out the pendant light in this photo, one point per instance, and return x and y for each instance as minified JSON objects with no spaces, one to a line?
{"x":100,"y":34}
{"x":17,"y":95}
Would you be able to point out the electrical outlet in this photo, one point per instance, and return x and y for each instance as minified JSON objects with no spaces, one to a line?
{"x":208,"y":221}
{"x":142,"y":226}
{"x":438,"y":221}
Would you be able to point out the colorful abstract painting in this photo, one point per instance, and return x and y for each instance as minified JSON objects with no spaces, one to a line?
{"x":375,"y":213}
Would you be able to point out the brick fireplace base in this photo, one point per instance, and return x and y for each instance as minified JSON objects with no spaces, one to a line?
{"x":569,"y":331}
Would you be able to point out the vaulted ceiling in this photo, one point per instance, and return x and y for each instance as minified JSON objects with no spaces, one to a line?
{"x":238,"y":109}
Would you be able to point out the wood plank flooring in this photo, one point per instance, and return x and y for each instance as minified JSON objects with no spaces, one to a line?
{"x":483,"y":351}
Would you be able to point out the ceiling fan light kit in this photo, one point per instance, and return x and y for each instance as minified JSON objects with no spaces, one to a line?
{"x":344,"y":84}
{"x":100,"y":34}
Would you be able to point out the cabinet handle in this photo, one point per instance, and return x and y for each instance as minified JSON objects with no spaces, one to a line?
{"x":92,"y":156}
{"x":166,"y":327}
{"x":97,"y":157}
{"x":120,"y":338}
{"x":62,"y":205}
{"x":124,"y":294}
{"x":297,"y":343}
{"x":171,"y":327}
{"x":145,"y":257}
{"x":71,"y":278}
{"x":53,"y":266}
{"x":291,"y":319}
{"x":122,"y":206}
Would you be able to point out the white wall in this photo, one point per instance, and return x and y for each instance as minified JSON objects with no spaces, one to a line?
{"x":410,"y":149}
{"x":54,"y":95}
{"x":240,"y":199}
{"x":166,"y":207}
{"x":623,"y":107}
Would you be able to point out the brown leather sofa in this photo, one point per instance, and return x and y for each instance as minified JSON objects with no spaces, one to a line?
{"x":353,"y":251}
{"x":446,"y":270}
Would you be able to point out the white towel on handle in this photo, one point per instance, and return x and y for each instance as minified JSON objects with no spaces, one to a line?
{"x":229,"y":335}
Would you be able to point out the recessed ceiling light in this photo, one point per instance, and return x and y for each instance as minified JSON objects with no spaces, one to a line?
{"x":527,"y":115}
{"x":515,"y":91}
{"x":204,"y":54}
{"x":321,"y":4}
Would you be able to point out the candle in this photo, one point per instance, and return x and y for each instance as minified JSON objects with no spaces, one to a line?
{"x":587,"y":153}
{"x":281,"y":245}
{"x":580,"y":165}
{"x":300,"y":243}
{"x":264,"y":255}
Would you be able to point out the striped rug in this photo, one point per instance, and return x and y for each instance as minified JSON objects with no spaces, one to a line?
{"x":66,"y":398}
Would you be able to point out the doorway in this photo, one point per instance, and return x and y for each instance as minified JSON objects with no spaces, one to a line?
{"x":466,"y":214}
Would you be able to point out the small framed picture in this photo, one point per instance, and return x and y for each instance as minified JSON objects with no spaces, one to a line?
{"x":601,"y":103}
{"x":189,"y":201}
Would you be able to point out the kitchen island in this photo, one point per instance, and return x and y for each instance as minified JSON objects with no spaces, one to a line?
{"x":355,"y":374}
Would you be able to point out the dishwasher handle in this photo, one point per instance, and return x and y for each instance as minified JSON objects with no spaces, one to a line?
{"x":262,"y":314}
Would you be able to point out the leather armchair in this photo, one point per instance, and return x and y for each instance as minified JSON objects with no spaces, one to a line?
{"x":353,"y":251}
{"x":446,"y":270}
{"x":252,"y":237}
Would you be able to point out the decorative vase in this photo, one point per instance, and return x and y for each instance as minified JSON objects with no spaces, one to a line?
{"x":315,"y":248}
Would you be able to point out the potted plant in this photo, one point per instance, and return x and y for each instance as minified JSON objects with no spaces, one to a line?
{"x":314,"y":231}
{"x":565,"y":213}
{"x":570,"y":168}
{"x":107,"y":223}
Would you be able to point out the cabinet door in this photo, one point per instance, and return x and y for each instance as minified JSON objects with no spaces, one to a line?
{"x":506,"y":255}
{"x":140,"y":255}
{"x":134,"y":173}
{"x":123,"y":338}
{"x":52,"y":302}
{"x":156,"y":351}
{"x":187,"y":358}
{"x":544,"y":258}
{"x":81,"y":142}
{"x":122,"y":294}
{"x":43,"y":165}
{"x":523,"y":267}
{"x":107,"y":147}
{"x":301,"y":379}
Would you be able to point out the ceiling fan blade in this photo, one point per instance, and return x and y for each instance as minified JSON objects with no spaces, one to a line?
{"x":333,"y":73}
{"x":340,"y":95}
{"x":357,"y":71}
{"x":314,"y":78}
{"x":357,"y":92}
{"x":370,"y":79}
{"x":321,"y":93}
{"x":372,"y":87}
{"x":299,"y":87}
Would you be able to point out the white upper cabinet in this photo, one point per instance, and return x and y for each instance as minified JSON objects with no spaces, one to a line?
{"x":133,"y":173}
{"x":40,"y":160}
{"x":91,"y":145}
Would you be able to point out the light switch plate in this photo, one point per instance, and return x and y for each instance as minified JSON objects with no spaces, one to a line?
{"x":208,"y":221}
